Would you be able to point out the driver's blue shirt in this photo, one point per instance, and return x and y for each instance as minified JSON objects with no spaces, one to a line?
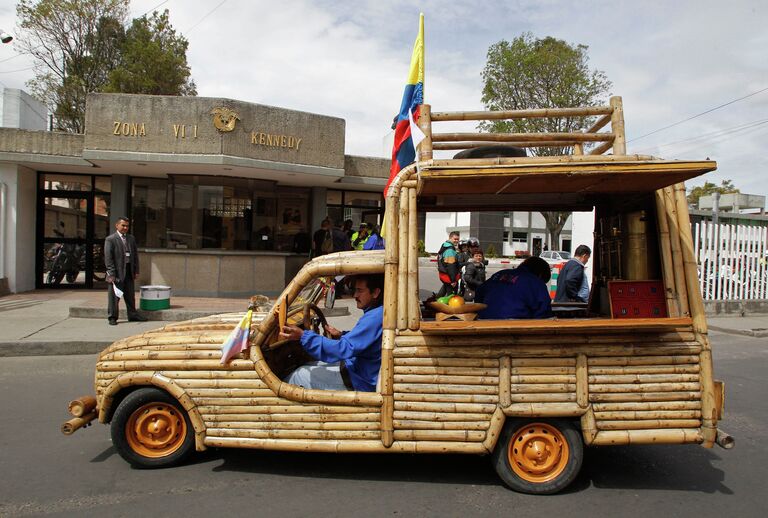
{"x":359,"y":348}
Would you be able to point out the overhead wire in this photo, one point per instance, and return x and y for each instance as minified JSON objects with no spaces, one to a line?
{"x":699,"y":114}
{"x":708,"y":136}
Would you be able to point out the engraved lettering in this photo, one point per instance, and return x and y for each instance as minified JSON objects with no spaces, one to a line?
{"x":298,"y":141}
{"x":269,"y":140}
{"x":261,"y":139}
{"x":282,"y":141}
{"x":254,"y":140}
{"x":176,"y":130}
{"x":142,"y":130}
{"x":194,"y":131}
{"x":117,"y":128}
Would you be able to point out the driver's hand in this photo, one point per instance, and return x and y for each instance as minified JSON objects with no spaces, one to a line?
{"x":291,"y":333}
{"x":332,"y":332}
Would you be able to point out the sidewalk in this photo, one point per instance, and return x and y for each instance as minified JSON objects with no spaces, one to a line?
{"x":53,"y":322}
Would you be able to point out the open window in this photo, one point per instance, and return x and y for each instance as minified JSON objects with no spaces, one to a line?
{"x":627,"y":273}
{"x":304,"y":304}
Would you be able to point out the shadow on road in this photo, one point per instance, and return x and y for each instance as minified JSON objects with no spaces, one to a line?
{"x":670,"y":467}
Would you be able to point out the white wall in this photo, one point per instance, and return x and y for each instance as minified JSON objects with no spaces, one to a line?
{"x":18,"y":216}
{"x":583,"y":234}
{"x":438,"y":224}
{"x":20,"y":110}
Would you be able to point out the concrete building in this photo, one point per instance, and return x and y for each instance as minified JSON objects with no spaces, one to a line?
{"x":223,"y":195}
{"x":510,"y":233}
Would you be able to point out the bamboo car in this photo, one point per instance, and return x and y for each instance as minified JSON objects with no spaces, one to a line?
{"x":529,"y":393}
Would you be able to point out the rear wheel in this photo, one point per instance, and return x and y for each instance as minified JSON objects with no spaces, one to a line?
{"x":540,"y":456}
{"x":151,"y":430}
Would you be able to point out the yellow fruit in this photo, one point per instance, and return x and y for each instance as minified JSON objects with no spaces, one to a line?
{"x":456,"y":301}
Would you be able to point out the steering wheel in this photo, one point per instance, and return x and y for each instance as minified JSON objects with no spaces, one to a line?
{"x":314,"y":323}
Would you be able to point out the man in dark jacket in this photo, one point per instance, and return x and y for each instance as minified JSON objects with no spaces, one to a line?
{"x":448,"y":269}
{"x":122,"y":261}
{"x":571,"y":277}
{"x":517,"y":293}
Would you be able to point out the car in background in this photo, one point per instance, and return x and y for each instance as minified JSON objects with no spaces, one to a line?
{"x":555,"y":256}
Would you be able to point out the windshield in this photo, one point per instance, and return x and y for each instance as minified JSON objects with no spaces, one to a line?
{"x":565,"y":255}
{"x":311,"y":293}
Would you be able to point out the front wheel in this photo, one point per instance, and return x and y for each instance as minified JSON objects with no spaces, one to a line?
{"x":150,"y":429}
{"x":539,"y":457}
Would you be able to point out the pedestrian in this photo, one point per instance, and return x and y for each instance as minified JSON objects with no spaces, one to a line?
{"x":473,"y":276}
{"x":122,"y":261}
{"x":375,"y":241}
{"x":571,"y":280}
{"x":360,"y":237}
{"x":347,"y":228}
{"x":340,"y":239}
{"x":518,"y":292}
{"x":448,"y":265}
{"x":322,"y":241}
{"x":464,"y":255}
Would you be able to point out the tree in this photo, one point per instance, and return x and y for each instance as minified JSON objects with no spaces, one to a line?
{"x":73,"y":43}
{"x":530,"y":73}
{"x":726,"y":187}
{"x":153,"y":60}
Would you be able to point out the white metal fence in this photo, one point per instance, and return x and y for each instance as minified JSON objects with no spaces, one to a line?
{"x":732,"y":261}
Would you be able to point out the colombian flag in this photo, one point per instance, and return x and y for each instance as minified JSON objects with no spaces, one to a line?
{"x":407,"y":133}
{"x":237,"y":341}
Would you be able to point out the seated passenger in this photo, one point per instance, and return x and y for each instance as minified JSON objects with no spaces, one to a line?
{"x":350,"y":360}
{"x":517,"y":293}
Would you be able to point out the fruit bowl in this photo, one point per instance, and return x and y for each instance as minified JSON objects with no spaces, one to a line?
{"x":467,"y":307}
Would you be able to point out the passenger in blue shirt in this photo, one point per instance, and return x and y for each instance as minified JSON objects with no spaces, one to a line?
{"x":517,"y":293}
{"x":347,"y":360}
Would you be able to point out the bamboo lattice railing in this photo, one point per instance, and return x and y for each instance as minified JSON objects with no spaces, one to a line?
{"x":611,"y":115}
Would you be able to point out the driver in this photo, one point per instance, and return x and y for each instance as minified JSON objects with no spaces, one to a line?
{"x":347,"y":360}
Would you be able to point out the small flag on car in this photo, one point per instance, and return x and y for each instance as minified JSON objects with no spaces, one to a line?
{"x":237,"y":341}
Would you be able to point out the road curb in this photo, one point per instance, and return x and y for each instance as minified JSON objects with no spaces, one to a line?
{"x":755,"y":333}
{"x":9,"y":349}
{"x":174,"y":315}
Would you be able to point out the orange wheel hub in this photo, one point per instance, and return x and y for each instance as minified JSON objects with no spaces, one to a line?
{"x":538,"y":452}
{"x":156,"y":430}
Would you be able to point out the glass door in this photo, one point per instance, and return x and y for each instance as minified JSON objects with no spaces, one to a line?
{"x":73,"y":220}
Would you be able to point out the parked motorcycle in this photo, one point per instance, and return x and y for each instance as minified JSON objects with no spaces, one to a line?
{"x":66,"y":262}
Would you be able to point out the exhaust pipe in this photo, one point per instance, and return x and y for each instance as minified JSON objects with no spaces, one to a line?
{"x":76,"y":423}
{"x":724,"y":440}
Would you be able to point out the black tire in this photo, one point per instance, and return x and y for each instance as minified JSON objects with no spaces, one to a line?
{"x":128,"y":418}
{"x":556,"y":467}
{"x":491,"y":152}
{"x":72,"y":277}
{"x":55,"y":277}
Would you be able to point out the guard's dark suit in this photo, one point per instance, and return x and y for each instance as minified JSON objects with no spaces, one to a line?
{"x":122,"y":268}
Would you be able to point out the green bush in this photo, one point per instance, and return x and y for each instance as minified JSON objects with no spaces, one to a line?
{"x":491,"y":253}
{"x":421,"y":248}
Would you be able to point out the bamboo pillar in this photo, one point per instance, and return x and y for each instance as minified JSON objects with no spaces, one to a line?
{"x":677,"y":257}
{"x":673,"y":304}
{"x":589,"y":426}
{"x":582,"y":381}
{"x":402,"y":268}
{"x":425,"y":123}
{"x":390,"y":315}
{"x":617,"y":126}
{"x":414,"y":314}
{"x":578,"y":149}
{"x":708,"y":401}
{"x":505,"y":377}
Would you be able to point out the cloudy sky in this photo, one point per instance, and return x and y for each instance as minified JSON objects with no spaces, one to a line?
{"x":669,"y":60}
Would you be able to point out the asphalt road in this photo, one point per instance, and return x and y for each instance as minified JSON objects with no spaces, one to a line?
{"x":43,"y":472}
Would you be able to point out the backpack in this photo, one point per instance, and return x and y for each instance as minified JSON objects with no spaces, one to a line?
{"x":327,"y":246}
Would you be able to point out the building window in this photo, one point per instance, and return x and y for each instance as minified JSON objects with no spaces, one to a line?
{"x":356,"y":206}
{"x":199,"y":212}
{"x":519,"y":237}
{"x":506,"y":236}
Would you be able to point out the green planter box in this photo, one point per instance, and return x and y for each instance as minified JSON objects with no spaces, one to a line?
{"x":154,"y":298}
